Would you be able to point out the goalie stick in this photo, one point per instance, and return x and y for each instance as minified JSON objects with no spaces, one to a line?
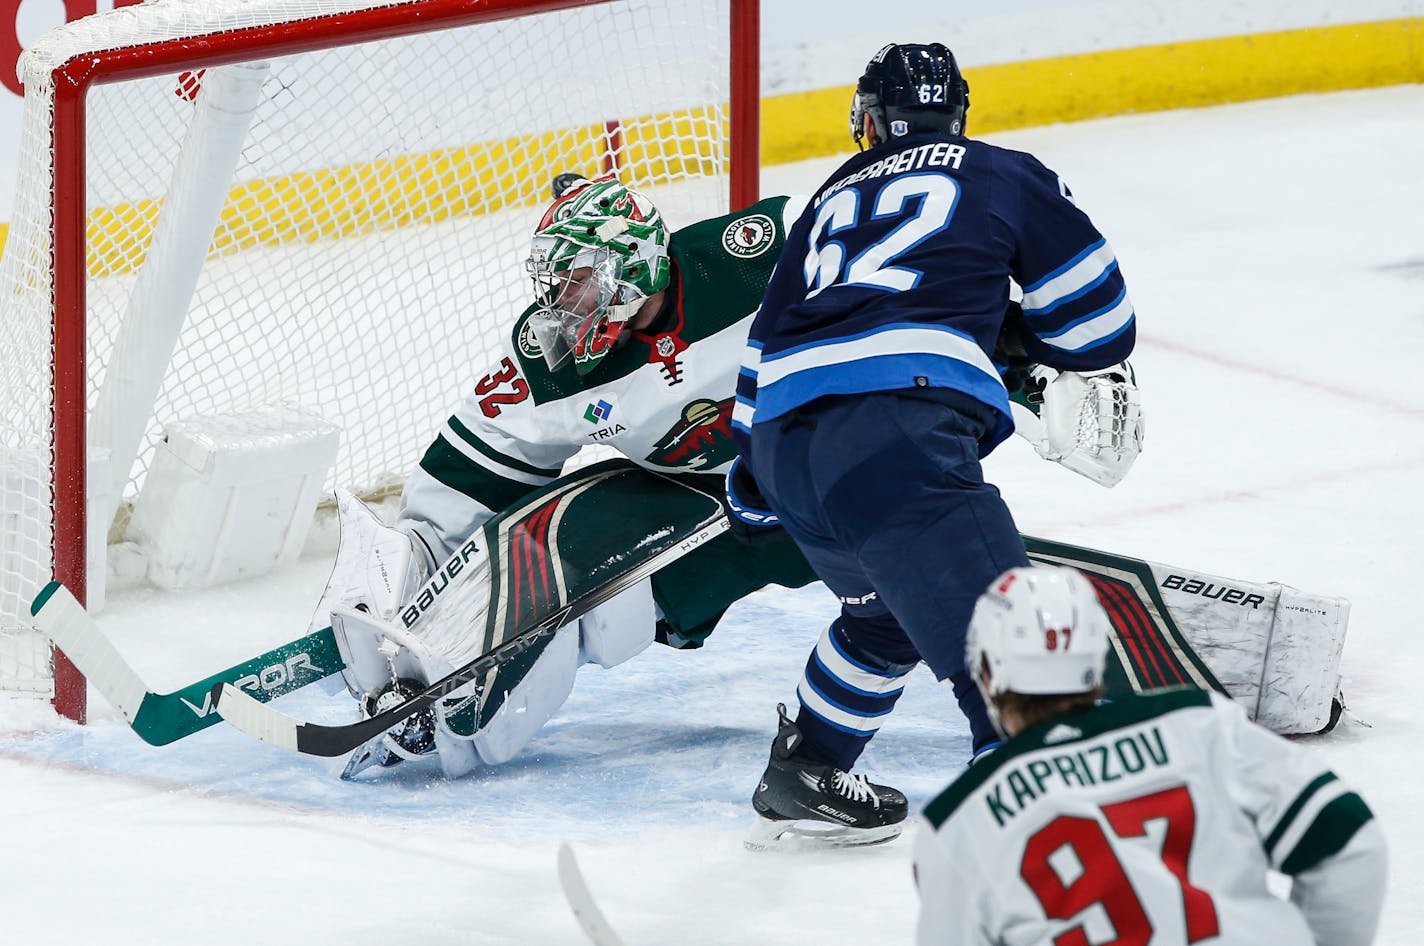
{"x":162,"y":718}
{"x":1163,"y":618}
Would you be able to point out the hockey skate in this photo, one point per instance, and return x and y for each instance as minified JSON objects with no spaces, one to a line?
{"x":800,"y":803}
{"x":415,"y":737}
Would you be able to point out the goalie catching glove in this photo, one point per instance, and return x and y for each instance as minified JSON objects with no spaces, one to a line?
{"x":1089,"y":421}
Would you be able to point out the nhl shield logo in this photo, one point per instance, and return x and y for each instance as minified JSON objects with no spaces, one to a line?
{"x":749,"y":236}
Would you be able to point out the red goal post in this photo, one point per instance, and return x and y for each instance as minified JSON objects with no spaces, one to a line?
{"x":77,"y":243}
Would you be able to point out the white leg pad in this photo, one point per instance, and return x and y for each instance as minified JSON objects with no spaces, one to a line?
{"x":620,"y":628}
{"x":532,"y":701}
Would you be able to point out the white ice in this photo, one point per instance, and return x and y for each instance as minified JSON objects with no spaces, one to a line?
{"x":1276,"y":259}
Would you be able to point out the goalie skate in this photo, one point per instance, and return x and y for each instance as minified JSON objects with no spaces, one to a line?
{"x":384,"y":666}
{"x":414,"y":738}
{"x":805,"y":804}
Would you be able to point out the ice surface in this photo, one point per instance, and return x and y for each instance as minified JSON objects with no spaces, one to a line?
{"x":1276,"y":259}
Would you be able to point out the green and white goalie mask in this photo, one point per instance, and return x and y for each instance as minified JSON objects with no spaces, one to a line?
{"x":598,"y":253}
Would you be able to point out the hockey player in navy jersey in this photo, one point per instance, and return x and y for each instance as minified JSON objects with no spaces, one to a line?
{"x":1155,"y":818}
{"x":871,"y":387}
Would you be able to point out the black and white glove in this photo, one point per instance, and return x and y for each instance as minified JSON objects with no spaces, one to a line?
{"x":749,"y":515}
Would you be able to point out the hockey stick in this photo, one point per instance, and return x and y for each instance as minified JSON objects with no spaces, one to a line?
{"x":271,"y":725}
{"x":590,"y":918}
{"x":162,"y":718}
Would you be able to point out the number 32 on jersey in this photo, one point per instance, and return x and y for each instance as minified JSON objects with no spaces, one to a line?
{"x":925,"y":202}
{"x":501,"y":387}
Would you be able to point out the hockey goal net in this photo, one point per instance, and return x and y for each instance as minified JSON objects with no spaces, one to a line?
{"x":319,"y":205}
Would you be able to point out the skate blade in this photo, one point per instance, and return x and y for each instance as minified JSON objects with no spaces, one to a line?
{"x":808,"y":835}
{"x":368,"y":755}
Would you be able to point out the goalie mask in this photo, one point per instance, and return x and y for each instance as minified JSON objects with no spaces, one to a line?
{"x":598,"y":253}
{"x":908,"y":88}
{"x":1038,"y":630}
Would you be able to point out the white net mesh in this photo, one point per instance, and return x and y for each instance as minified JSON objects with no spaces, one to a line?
{"x":367,"y":258}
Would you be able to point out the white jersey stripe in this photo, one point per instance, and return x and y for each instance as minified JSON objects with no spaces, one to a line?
{"x":742,"y":413}
{"x":1091,"y":331}
{"x":891,"y":340}
{"x":479,"y":459}
{"x":1304,"y":818}
{"x":1084,"y":271}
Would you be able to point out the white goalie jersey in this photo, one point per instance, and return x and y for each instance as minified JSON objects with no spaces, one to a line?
{"x":1154,"y":820}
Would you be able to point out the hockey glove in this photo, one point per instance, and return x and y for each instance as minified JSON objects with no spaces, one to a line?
{"x":376,"y":566}
{"x":1089,"y":421}
{"x":749,"y":515}
{"x":1009,"y":355}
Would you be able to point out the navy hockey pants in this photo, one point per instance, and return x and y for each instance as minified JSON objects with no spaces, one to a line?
{"x":884,"y":494}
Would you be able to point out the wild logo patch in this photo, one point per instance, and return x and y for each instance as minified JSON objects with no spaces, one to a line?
{"x":749,"y":236}
{"x":528,"y":344}
{"x":701,"y":440}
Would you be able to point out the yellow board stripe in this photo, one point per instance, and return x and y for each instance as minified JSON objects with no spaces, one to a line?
{"x":427,"y":188}
{"x":1124,"y":81}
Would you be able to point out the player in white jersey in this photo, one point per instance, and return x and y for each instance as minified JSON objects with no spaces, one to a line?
{"x":1151,"y":820}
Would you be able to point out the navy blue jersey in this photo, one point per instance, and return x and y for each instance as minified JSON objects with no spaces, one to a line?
{"x":897,"y":276}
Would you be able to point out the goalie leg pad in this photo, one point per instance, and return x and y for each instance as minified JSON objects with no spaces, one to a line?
{"x":532,"y":701}
{"x":620,"y":628}
{"x":615,"y":631}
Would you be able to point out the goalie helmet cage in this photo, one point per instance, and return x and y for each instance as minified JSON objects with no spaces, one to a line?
{"x":317,"y":204}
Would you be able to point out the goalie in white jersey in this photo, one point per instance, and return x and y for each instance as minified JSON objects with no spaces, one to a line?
{"x":1152,"y":820}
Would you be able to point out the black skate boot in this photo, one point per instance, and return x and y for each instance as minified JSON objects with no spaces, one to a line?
{"x":803,"y":801}
{"x":413,"y":738}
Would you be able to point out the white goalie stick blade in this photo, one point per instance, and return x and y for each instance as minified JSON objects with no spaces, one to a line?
{"x":590,"y":918}
{"x":807,"y":835}
{"x":256,"y":719}
{"x":64,"y":621}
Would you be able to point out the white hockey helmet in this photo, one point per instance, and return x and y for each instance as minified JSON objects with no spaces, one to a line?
{"x":1039,"y":630}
